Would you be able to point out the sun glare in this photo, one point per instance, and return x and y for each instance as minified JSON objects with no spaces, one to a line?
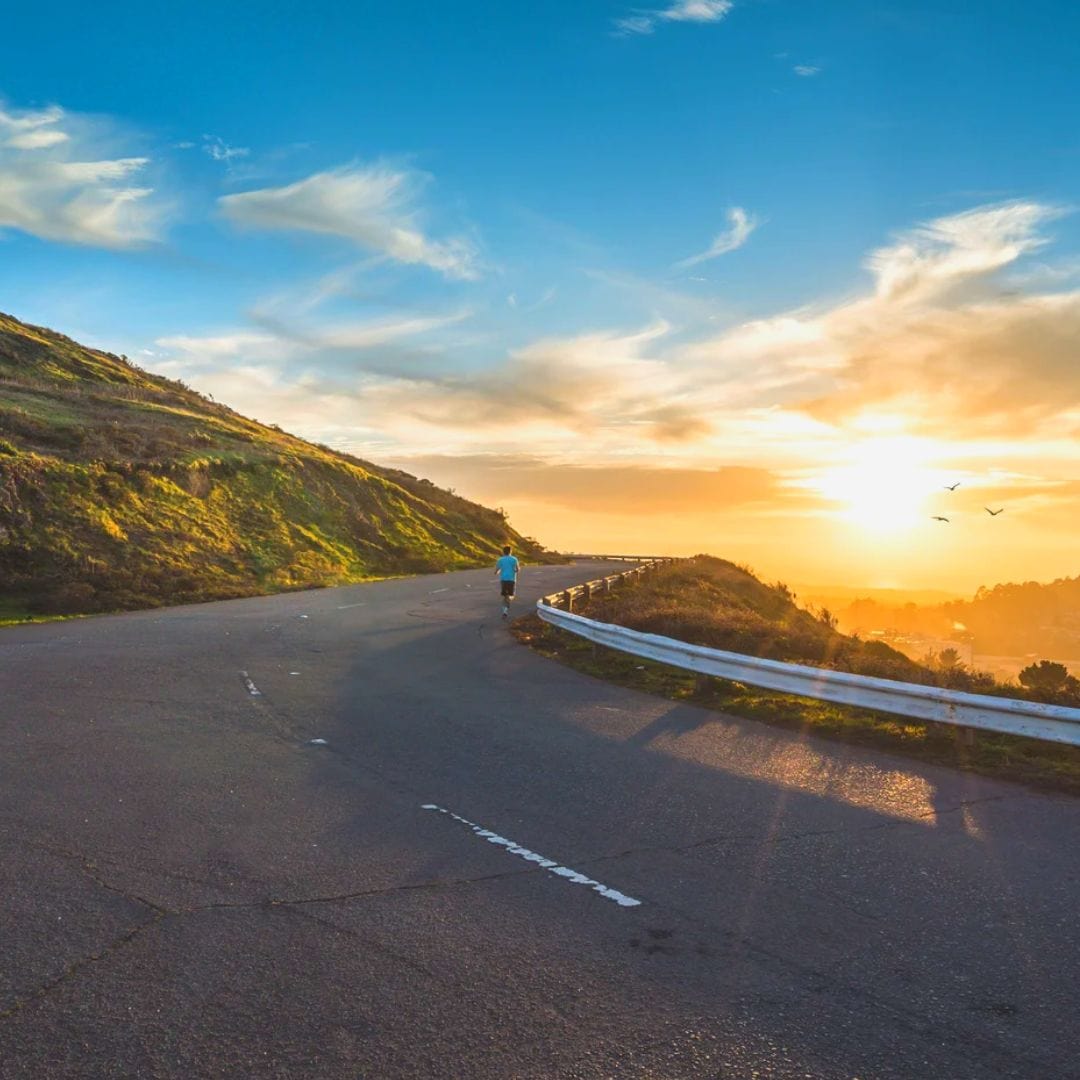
{"x":885,"y":486}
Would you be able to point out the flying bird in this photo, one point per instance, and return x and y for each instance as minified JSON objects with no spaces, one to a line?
{"x":952,"y":487}
{"x":936,"y":517}
{"x":993,"y":513}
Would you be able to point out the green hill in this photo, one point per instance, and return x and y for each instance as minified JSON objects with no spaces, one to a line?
{"x":713,"y":602}
{"x":121,"y":489}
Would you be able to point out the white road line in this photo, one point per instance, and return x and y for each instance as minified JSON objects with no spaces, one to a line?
{"x":447,"y":589}
{"x":342,"y":607}
{"x":531,"y":856}
{"x":252,"y":689}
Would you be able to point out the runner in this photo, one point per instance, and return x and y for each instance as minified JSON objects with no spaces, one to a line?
{"x":506,"y":569}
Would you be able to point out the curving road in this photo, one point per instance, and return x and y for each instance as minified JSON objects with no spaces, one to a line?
{"x":362,"y":833}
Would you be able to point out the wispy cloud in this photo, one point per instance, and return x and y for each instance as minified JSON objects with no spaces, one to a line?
{"x":374,"y":207}
{"x":211,"y":348}
{"x":587,"y":384}
{"x":807,"y":71}
{"x":646,"y":22}
{"x":39,"y":139}
{"x":584,"y":383}
{"x":954,"y":250}
{"x":278,"y":338}
{"x":937,"y":344}
{"x":220,"y":150}
{"x":741,"y":224}
{"x":55,"y":185}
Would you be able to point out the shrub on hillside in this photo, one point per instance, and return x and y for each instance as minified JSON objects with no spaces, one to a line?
{"x":1050,"y":681}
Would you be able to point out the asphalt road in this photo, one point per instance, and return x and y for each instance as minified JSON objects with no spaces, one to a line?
{"x":190,"y":886}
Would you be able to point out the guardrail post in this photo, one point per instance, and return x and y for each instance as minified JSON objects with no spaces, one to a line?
{"x":568,"y":599}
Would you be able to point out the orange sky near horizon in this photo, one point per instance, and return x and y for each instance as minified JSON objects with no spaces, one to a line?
{"x":875,"y":536}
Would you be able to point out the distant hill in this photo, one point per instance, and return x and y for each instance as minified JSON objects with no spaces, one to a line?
{"x":1016,"y":618}
{"x":1023,"y":617}
{"x":121,"y":489}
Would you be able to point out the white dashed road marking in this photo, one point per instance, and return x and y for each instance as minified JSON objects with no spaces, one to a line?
{"x":252,"y":689}
{"x":342,"y":607}
{"x":531,"y":856}
{"x":447,"y":589}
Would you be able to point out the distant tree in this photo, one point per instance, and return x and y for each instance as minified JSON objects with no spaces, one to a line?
{"x":1046,"y":677}
{"x":949,"y":660}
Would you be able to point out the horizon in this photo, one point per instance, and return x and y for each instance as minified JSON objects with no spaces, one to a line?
{"x":725,"y":277}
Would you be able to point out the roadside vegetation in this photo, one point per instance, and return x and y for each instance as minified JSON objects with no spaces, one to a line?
{"x":711,"y":602}
{"x":120,"y":489}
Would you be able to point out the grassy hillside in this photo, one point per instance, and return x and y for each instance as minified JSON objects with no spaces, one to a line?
{"x":121,"y":489}
{"x":715,"y":603}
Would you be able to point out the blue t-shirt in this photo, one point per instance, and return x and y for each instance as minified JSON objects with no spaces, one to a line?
{"x":507,"y":566}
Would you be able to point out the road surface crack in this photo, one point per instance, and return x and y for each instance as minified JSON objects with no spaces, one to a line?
{"x":362,"y":894}
{"x":90,"y":867}
{"x":78,"y":966}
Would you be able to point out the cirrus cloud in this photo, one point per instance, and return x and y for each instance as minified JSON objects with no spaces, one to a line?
{"x":938,"y":342}
{"x":56,"y":185}
{"x":701,"y":11}
{"x":372,"y":207}
{"x":741,"y":225}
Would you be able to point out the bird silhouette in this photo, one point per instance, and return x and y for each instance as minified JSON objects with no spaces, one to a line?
{"x":952,"y":487}
{"x":993,"y":513}
{"x":936,"y":517}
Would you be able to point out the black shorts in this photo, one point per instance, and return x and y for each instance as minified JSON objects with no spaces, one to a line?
{"x":507,"y":588}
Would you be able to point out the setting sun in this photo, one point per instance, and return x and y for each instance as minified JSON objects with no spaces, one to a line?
{"x":885,"y":487}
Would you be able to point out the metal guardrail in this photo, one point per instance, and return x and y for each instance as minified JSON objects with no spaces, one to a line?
{"x":568,"y":597}
{"x":1051,"y":723}
{"x":621,"y":558}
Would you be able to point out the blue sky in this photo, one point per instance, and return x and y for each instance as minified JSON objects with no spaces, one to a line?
{"x":502,"y":240}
